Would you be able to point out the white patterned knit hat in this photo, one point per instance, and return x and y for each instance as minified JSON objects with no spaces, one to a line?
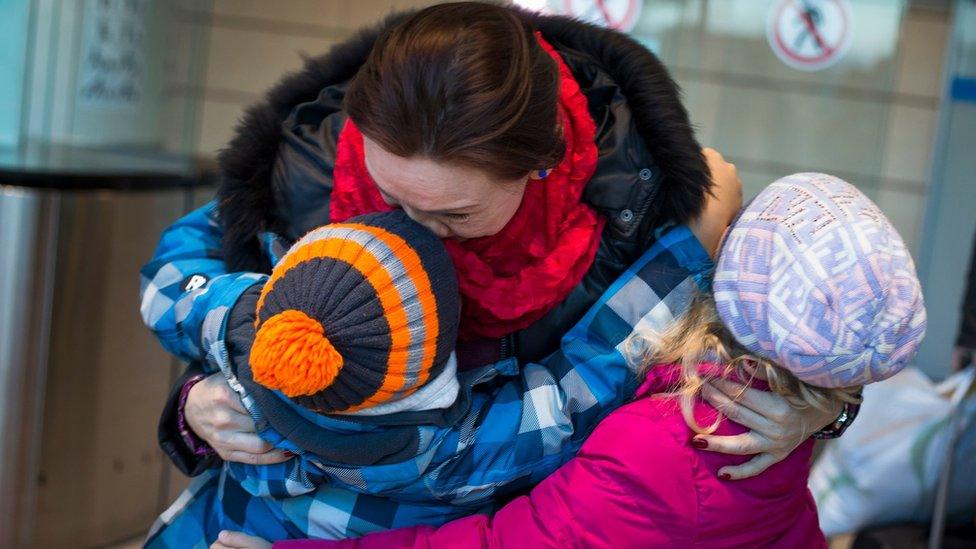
{"x":813,"y":277}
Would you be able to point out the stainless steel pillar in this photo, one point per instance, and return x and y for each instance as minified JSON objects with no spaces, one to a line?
{"x":82,"y":380}
{"x":28,"y":234}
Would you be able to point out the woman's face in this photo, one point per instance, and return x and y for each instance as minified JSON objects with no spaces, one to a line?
{"x":452,"y":201}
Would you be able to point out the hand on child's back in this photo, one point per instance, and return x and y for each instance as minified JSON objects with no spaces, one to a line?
{"x":215,"y":413}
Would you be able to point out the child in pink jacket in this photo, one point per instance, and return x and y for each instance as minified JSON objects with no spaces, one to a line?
{"x":814,"y":295}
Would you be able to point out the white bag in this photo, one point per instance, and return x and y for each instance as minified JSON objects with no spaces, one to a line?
{"x":886,"y":467}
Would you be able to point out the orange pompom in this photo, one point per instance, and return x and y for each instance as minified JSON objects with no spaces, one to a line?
{"x":292,"y":354}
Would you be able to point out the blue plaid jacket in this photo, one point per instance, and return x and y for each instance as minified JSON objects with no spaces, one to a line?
{"x":523,"y":423}
{"x":186,"y":290}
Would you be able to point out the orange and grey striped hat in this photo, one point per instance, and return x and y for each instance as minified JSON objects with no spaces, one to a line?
{"x":357,"y":315}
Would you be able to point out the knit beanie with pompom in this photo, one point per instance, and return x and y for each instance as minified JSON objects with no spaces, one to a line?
{"x":358,"y":316}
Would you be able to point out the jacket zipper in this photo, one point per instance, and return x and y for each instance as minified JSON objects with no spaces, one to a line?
{"x":507,"y":347}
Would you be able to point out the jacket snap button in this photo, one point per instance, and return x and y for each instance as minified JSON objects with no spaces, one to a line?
{"x":645,"y":174}
{"x":626,"y":216}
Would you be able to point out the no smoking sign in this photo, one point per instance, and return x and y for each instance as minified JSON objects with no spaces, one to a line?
{"x":620,"y":15}
{"x":809,"y":35}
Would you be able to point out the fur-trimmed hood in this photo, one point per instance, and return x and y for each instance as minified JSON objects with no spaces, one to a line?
{"x":249,"y":201}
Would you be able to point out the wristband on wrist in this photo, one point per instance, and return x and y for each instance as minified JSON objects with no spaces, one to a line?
{"x":843,"y":421}
{"x":196,"y":445}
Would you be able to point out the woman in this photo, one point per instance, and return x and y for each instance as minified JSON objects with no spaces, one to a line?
{"x":546,"y":160}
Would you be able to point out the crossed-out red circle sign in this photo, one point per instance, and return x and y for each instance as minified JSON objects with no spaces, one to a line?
{"x":621,"y":15}
{"x":809,"y":35}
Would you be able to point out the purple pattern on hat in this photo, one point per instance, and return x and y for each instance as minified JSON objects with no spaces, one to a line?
{"x":814,"y":277}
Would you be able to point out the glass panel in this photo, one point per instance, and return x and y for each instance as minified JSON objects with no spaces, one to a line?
{"x":120,"y":73}
{"x":868,"y":116}
{"x":871,"y":116}
{"x":950,"y":221}
{"x":13,"y":43}
{"x":767,"y":117}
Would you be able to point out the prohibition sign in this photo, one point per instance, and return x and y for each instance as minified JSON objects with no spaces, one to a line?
{"x":619,"y":15}
{"x":809,"y":35}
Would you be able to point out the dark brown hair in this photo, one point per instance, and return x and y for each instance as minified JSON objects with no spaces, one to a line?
{"x":464,"y":83}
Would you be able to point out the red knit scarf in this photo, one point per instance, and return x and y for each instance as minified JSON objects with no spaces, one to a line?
{"x":513,"y":278}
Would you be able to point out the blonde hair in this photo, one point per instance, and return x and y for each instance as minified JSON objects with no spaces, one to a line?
{"x":699,"y":336}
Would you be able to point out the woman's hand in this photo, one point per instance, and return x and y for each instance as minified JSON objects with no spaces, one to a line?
{"x":776,"y":427}
{"x":216,"y":414}
{"x":238,"y":540}
{"x":722,"y":203}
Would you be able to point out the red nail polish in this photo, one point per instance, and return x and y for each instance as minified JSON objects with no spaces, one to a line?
{"x":699,"y":443}
{"x":288,"y":454}
{"x":725,"y":476}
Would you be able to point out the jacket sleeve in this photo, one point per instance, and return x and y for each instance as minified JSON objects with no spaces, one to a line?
{"x":186,"y":291}
{"x":632,"y":484}
{"x":967,"y":326}
{"x":537,"y":420}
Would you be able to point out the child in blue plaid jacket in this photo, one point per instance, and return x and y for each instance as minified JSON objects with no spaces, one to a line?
{"x":519,"y":426}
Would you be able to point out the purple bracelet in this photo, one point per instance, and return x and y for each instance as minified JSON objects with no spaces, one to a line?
{"x":196,"y":445}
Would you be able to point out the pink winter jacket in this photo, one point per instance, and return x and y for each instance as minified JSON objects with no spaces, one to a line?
{"x":638,"y":482}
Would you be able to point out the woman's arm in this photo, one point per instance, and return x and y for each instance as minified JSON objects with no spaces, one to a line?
{"x":537,"y":420}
